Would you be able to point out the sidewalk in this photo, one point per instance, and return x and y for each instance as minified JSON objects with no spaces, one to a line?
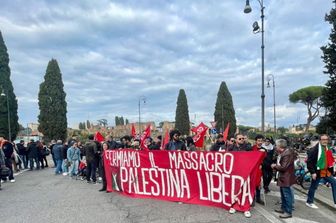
{"x":323,"y":195}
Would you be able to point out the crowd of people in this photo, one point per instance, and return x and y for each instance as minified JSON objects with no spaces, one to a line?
{"x":85,"y":160}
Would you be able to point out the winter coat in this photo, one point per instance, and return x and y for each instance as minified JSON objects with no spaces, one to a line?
{"x":242,"y":147}
{"x":33,"y":150}
{"x":57,"y":151}
{"x":286,"y":169}
{"x":90,"y":149}
{"x":22,"y":149}
{"x":218,"y":146}
{"x":8,"y":149}
{"x":175,"y":145}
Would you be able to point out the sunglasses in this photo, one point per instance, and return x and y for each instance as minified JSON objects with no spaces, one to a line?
{"x":240,"y":138}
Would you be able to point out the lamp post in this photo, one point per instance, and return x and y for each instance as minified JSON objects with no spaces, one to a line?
{"x":8,"y":115}
{"x":141,"y":99}
{"x":269,"y":78}
{"x":257,"y":29}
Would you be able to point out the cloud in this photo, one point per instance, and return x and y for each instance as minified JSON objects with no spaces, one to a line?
{"x":112,"y":52}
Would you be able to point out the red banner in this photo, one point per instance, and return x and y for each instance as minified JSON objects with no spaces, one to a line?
{"x":208,"y":178}
{"x":144,"y":136}
{"x":99,"y":137}
{"x":200,"y":131}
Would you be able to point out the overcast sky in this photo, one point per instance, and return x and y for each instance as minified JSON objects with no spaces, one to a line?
{"x":112,"y":52}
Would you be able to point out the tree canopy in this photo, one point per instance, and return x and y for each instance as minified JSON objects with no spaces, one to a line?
{"x":7,"y":91}
{"x":182,"y":121}
{"x":309,"y":96}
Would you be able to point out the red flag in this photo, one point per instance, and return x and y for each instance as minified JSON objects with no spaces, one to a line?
{"x":165,"y":140}
{"x":199,"y":128}
{"x":144,"y":136}
{"x":133,"y":133}
{"x":226,"y":132}
{"x":99,"y":137}
{"x":200,"y":133}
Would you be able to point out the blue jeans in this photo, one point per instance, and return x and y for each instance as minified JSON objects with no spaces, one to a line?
{"x":315,"y":183}
{"x":74,"y":168}
{"x":286,"y":199}
{"x":65,"y":168}
{"x":24,"y":161}
{"x":31,"y":161}
{"x":58,"y":169}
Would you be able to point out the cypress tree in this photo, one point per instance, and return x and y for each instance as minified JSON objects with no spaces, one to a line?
{"x":6,"y":88}
{"x":224,"y":111}
{"x":52,"y":104}
{"x":182,"y":122}
{"x":88,"y":124}
{"x":126,"y":121}
{"x":329,"y":58}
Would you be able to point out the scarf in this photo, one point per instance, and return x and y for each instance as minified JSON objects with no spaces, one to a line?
{"x":324,"y":158}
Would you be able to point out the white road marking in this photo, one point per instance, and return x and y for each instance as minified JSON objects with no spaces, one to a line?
{"x":21,"y":171}
{"x":299,"y":220}
{"x":267,"y":215}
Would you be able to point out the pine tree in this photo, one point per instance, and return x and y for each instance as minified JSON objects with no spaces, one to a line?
{"x":88,"y":124}
{"x":116,"y":119}
{"x":224,"y":111}
{"x":52,"y":104}
{"x":122,"y":120}
{"x":7,"y":91}
{"x":182,"y":122}
{"x":329,"y":58}
{"x":126,"y":121}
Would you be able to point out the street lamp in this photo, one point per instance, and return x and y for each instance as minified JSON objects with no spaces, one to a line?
{"x":8,"y":115}
{"x":269,"y":78}
{"x":141,"y":99}
{"x":257,"y":29}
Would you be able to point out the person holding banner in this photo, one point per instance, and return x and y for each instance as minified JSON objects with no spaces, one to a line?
{"x":105,"y":147}
{"x":175,"y":143}
{"x":259,"y":140}
{"x":90,"y":149}
{"x":286,"y":178}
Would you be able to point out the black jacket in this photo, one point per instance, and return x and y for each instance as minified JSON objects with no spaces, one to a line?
{"x":22,"y":149}
{"x":312,"y":161}
{"x":8,"y":150}
{"x":33,"y":150}
{"x":243,"y":147}
{"x":178,"y":145}
{"x":90,"y":149}
{"x":217,"y":146}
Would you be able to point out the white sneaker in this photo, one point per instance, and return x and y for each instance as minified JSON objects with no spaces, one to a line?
{"x":247,"y":214}
{"x":232,"y":211}
{"x":64,"y":174}
{"x":312,"y":205}
{"x":12,"y":181}
{"x":2,"y":181}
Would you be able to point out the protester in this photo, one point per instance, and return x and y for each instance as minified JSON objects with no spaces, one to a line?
{"x":259,"y":140}
{"x":219,"y":145}
{"x":126,"y":142}
{"x":57,"y":151}
{"x":240,"y":144}
{"x":175,"y":143}
{"x":2,"y":162}
{"x":286,"y":178}
{"x":33,"y":155}
{"x":90,"y":149}
{"x":105,"y":147}
{"x":190,"y":144}
{"x":44,"y":153}
{"x":73,"y":156}
{"x":51,"y":147}
{"x":111,"y":143}
{"x":320,"y":165}
{"x":229,"y":143}
{"x":7,"y":148}
{"x":266,"y":166}
{"x":156,"y":144}
{"x":65,"y":167}
{"x":22,"y":150}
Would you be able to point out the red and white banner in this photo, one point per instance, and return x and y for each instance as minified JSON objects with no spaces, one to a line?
{"x":207,"y":178}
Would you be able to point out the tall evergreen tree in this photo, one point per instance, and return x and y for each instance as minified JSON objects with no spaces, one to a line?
{"x":126,"y":121}
{"x":88,"y":124}
{"x":7,"y":91}
{"x":122,"y":120}
{"x":52,"y":104}
{"x":329,"y":58}
{"x":224,"y":111}
{"x":182,"y":121}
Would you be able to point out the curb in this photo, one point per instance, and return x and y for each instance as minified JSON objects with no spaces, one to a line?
{"x":322,"y":200}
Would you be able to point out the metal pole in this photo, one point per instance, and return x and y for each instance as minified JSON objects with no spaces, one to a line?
{"x":8,"y":116}
{"x":275,"y":129}
{"x":262,"y":70}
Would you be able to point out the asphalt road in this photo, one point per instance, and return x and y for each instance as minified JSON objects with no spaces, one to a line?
{"x":40,"y":196}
